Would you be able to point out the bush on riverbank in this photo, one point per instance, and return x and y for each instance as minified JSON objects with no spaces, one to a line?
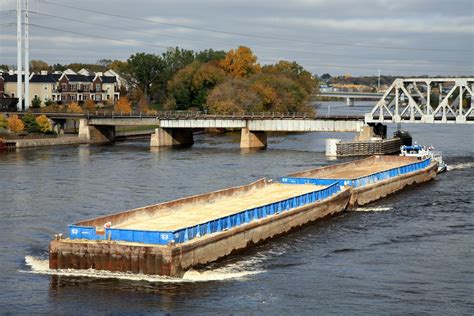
{"x":15,"y":124}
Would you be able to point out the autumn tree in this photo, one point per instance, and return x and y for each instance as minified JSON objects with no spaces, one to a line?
{"x":295,"y":72}
{"x":15,"y":124}
{"x":37,"y":66}
{"x":123,"y":105}
{"x":240,"y":62}
{"x":44,"y":124}
{"x":73,"y":107}
{"x":234,"y":96}
{"x":89,"y":105}
{"x":142,"y":105}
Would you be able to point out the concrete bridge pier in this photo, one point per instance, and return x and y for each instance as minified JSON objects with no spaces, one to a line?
{"x":350,"y":101}
{"x":96,"y":134}
{"x":253,"y":139}
{"x":58,"y":126}
{"x":163,"y":137}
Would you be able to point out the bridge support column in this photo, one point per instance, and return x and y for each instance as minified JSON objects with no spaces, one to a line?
{"x":254,"y":139}
{"x":350,"y":101}
{"x":58,"y":126}
{"x":96,"y":133}
{"x":163,"y":137}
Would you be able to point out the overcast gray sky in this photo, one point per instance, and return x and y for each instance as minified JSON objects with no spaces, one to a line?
{"x":400,"y":37}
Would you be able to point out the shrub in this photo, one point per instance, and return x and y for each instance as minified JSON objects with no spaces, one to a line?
{"x":3,"y":122}
{"x":74,"y":108}
{"x":36,"y":102}
{"x":44,"y":124}
{"x":89,"y":105}
{"x":49,"y":103}
{"x":15,"y":124}
{"x":29,"y":121}
{"x":123,"y":105}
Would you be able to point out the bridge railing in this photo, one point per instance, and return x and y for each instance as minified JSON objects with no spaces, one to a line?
{"x":193,"y":115}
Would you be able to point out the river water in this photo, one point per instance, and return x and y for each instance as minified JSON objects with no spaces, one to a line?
{"x":408,"y":253}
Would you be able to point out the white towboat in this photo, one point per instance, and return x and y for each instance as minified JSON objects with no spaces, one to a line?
{"x":422,"y":152}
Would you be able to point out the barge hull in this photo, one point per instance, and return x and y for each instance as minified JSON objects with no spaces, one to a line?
{"x":174,"y":260}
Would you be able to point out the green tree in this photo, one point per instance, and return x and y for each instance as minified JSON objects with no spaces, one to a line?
{"x":208,"y":55}
{"x":294,"y":71}
{"x":143,"y":70}
{"x":36,"y":102}
{"x":3,"y":122}
{"x":190,"y":86}
{"x":29,"y":120}
{"x":4,"y":67}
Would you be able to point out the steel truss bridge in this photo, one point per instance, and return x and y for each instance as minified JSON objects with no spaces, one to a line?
{"x":426,"y":100}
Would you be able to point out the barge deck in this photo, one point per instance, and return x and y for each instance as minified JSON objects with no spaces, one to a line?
{"x":172,"y":237}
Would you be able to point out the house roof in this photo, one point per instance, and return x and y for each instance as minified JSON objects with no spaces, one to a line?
{"x":11,"y":78}
{"x":78,"y":78}
{"x":43,"y":79}
{"x":108,"y":79}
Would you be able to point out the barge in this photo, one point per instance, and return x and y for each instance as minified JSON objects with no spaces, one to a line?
{"x":172,"y":237}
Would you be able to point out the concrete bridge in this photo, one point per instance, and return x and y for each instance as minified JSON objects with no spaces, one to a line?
{"x":351,"y":96}
{"x":175,"y":128}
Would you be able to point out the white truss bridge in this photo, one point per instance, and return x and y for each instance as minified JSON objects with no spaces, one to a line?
{"x":426,"y":100}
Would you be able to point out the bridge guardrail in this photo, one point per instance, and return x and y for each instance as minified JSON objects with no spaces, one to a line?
{"x":193,"y":115}
{"x":213,"y":226}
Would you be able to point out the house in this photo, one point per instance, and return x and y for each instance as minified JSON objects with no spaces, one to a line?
{"x":79,"y":88}
{"x":42,"y":86}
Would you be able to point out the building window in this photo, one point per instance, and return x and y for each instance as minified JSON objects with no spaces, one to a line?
{"x":46,"y":97}
{"x":54,"y":97}
{"x":92,"y":97}
{"x":63,"y":98}
{"x":108,"y":96}
{"x":97,"y":87}
{"x":63,"y":86}
{"x":45,"y":87}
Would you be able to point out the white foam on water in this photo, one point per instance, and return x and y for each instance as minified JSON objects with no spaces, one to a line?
{"x":231,"y":271}
{"x":461,"y":166}
{"x":373,"y":209}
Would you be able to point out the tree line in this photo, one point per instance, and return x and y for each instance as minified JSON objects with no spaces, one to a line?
{"x":211,"y":81}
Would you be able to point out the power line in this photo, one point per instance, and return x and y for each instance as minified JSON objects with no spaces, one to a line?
{"x":213,"y":42}
{"x":254,"y":35}
{"x":98,"y":36}
{"x":160,"y":46}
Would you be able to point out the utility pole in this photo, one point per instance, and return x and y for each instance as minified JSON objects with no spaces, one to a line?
{"x":18,"y":55}
{"x":378,"y":89}
{"x":27,"y":59}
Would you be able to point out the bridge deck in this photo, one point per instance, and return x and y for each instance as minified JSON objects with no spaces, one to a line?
{"x":193,"y":214}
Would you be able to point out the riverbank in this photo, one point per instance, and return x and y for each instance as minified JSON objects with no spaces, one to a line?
{"x":62,"y":140}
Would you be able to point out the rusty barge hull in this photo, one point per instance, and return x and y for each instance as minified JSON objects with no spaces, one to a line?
{"x":175,"y":257}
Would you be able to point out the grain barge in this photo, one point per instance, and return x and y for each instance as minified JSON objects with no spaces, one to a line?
{"x":172,"y":237}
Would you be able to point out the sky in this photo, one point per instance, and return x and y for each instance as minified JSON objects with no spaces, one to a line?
{"x":357,"y":37}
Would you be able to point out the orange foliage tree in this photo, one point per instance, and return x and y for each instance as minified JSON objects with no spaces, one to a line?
{"x":89,"y":105}
{"x":123,"y":105}
{"x":43,"y":123}
{"x":74,"y":108}
{"x":15,"y":124}
{"x":240,"y":62}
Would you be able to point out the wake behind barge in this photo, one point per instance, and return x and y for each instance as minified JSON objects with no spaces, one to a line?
{"x":172,"y":237}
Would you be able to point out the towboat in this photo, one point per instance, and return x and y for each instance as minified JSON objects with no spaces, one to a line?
{"x":423,"y":152}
